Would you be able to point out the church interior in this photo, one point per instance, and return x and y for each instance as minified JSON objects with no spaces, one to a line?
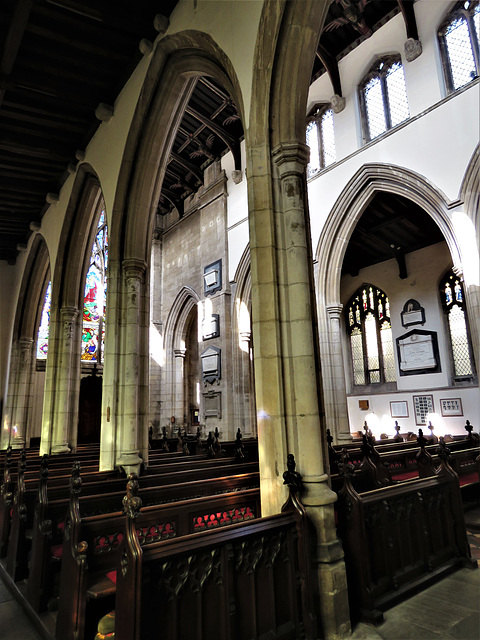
{"x":240,"y":336}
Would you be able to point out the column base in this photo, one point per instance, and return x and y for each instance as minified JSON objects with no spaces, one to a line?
{"x":344,"y":436}
{"x":18,"y":442}
{"x":60,"y":448}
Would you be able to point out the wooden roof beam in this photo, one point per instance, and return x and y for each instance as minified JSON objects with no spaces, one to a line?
{"x":14,"y":37}
{"x":331,"y":65}
{"x":232,"y":144}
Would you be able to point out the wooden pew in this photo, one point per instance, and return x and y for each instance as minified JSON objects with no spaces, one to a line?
{"x":49,"y":520}
{"x":243,"y":581}
{"x":399,"y":538}
{"x":86,"y":585}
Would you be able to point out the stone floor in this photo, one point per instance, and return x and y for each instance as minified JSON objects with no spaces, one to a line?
{"x":448,"y":610}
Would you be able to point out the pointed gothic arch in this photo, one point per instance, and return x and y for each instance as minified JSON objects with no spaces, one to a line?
{"x":60,"y":411}
{"x":344,"y":216}
{"x":18,"y":419}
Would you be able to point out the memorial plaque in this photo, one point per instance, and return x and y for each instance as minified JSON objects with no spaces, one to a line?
{"x":211,"y":364}
{"x":418,"y":352}
{"x":422,"y":405}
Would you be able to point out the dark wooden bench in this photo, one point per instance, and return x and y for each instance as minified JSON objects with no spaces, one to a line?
{"x":49,"y":519}
{"x":87,"y":584}
{"x":399,"y":538}
{"x":244,"y":581}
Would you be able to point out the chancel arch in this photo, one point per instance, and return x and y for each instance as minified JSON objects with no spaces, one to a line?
{"x":26,"y":383}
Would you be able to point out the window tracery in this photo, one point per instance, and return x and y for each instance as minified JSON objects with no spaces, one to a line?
{"x":451,"y":292}
{"x":370,"y":334}
{"x":383,"y":97}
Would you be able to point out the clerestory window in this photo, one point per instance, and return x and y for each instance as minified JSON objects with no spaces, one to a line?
{"x":321,"y":140}
{"x":383,"y":97}
{"x":367,"y":317}
{"x":453,"y":300}
{"x":459,"y":38}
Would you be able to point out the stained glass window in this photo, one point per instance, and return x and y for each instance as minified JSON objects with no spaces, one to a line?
{"x":383,"y":96}
{"x":459,"y":40}
{"x":453,"y":303}
{"x":43,"y":329}
{"x":368,"y":325}
{"x":95,"y":296}
{"x":321,"y":140}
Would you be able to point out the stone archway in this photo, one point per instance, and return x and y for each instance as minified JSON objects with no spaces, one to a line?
{"x":349,"y":207}
{"x":17,"y":428}
{"x":176,"y":61}
{"x":62,"y":384}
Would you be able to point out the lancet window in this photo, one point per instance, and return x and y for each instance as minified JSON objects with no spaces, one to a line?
{"x":459,"y":38}
{"x":383,"y":97}
{"x":453,"y":300}
{"x":43,"y":329}
{"x":94,"y":303}
{"x":370,"y":334}
{"x":320,"y":137}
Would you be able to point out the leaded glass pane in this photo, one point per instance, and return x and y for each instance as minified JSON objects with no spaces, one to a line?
{"x":357,"y":356}
{"x":458,"y":334}
{"x":312,"y":142}
{"x":328,"y":139}
{"x":460,"y":54}
{"x":95,"y":294}
{"x":387,"y":351}
{"x":374,"y":108}
{"x":43,"y":329}
{"x":397,"y":94}
{"x":476,"y":22}
{"x":372,"y":347}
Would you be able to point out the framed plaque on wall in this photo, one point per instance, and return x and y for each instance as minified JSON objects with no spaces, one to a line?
{"x":422,"y":405}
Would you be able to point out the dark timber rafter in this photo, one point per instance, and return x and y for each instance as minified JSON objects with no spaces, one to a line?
{"x":408,"y":13}
{"x":331,"y":66}
{"x":232,"y":144}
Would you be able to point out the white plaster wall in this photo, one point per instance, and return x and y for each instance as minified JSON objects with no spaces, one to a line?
{"x":424,"y":268}
{"x":379,"y":406}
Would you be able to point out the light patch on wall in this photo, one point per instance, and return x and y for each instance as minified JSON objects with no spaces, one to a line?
{"x":388,"y":425}
{"x":157,"y":352}
{"x":437,"y":423}
{"x":466,"y":237}
{"x":374,"y":424}
{"x":244,"y":325}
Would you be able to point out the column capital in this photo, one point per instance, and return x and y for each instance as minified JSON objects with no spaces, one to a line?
{"x":246,"y":336}
{"x":134,"y":268}
{"x":334,"y":310}
{"x":68,"y":314}
{"x":180,"y":353}
{"x":291,"y":158}
{"x":25,"y":343}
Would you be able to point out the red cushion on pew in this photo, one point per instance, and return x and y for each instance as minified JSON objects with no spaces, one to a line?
{"x":468,"y":478}
{"x":406,"y":476}
{"x":113,"y":576}
{"x":57,"y":550}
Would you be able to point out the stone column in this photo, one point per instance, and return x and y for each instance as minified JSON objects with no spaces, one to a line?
{"x":179,"y":386}
{"x":23,"y":395}
{"x":247,"y":382}
{"x":337,"y":412}
{"x":65,"y":407}
{"x":19,"y":398}
{"x":131,"y":431}
{"x":301,"y":377}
